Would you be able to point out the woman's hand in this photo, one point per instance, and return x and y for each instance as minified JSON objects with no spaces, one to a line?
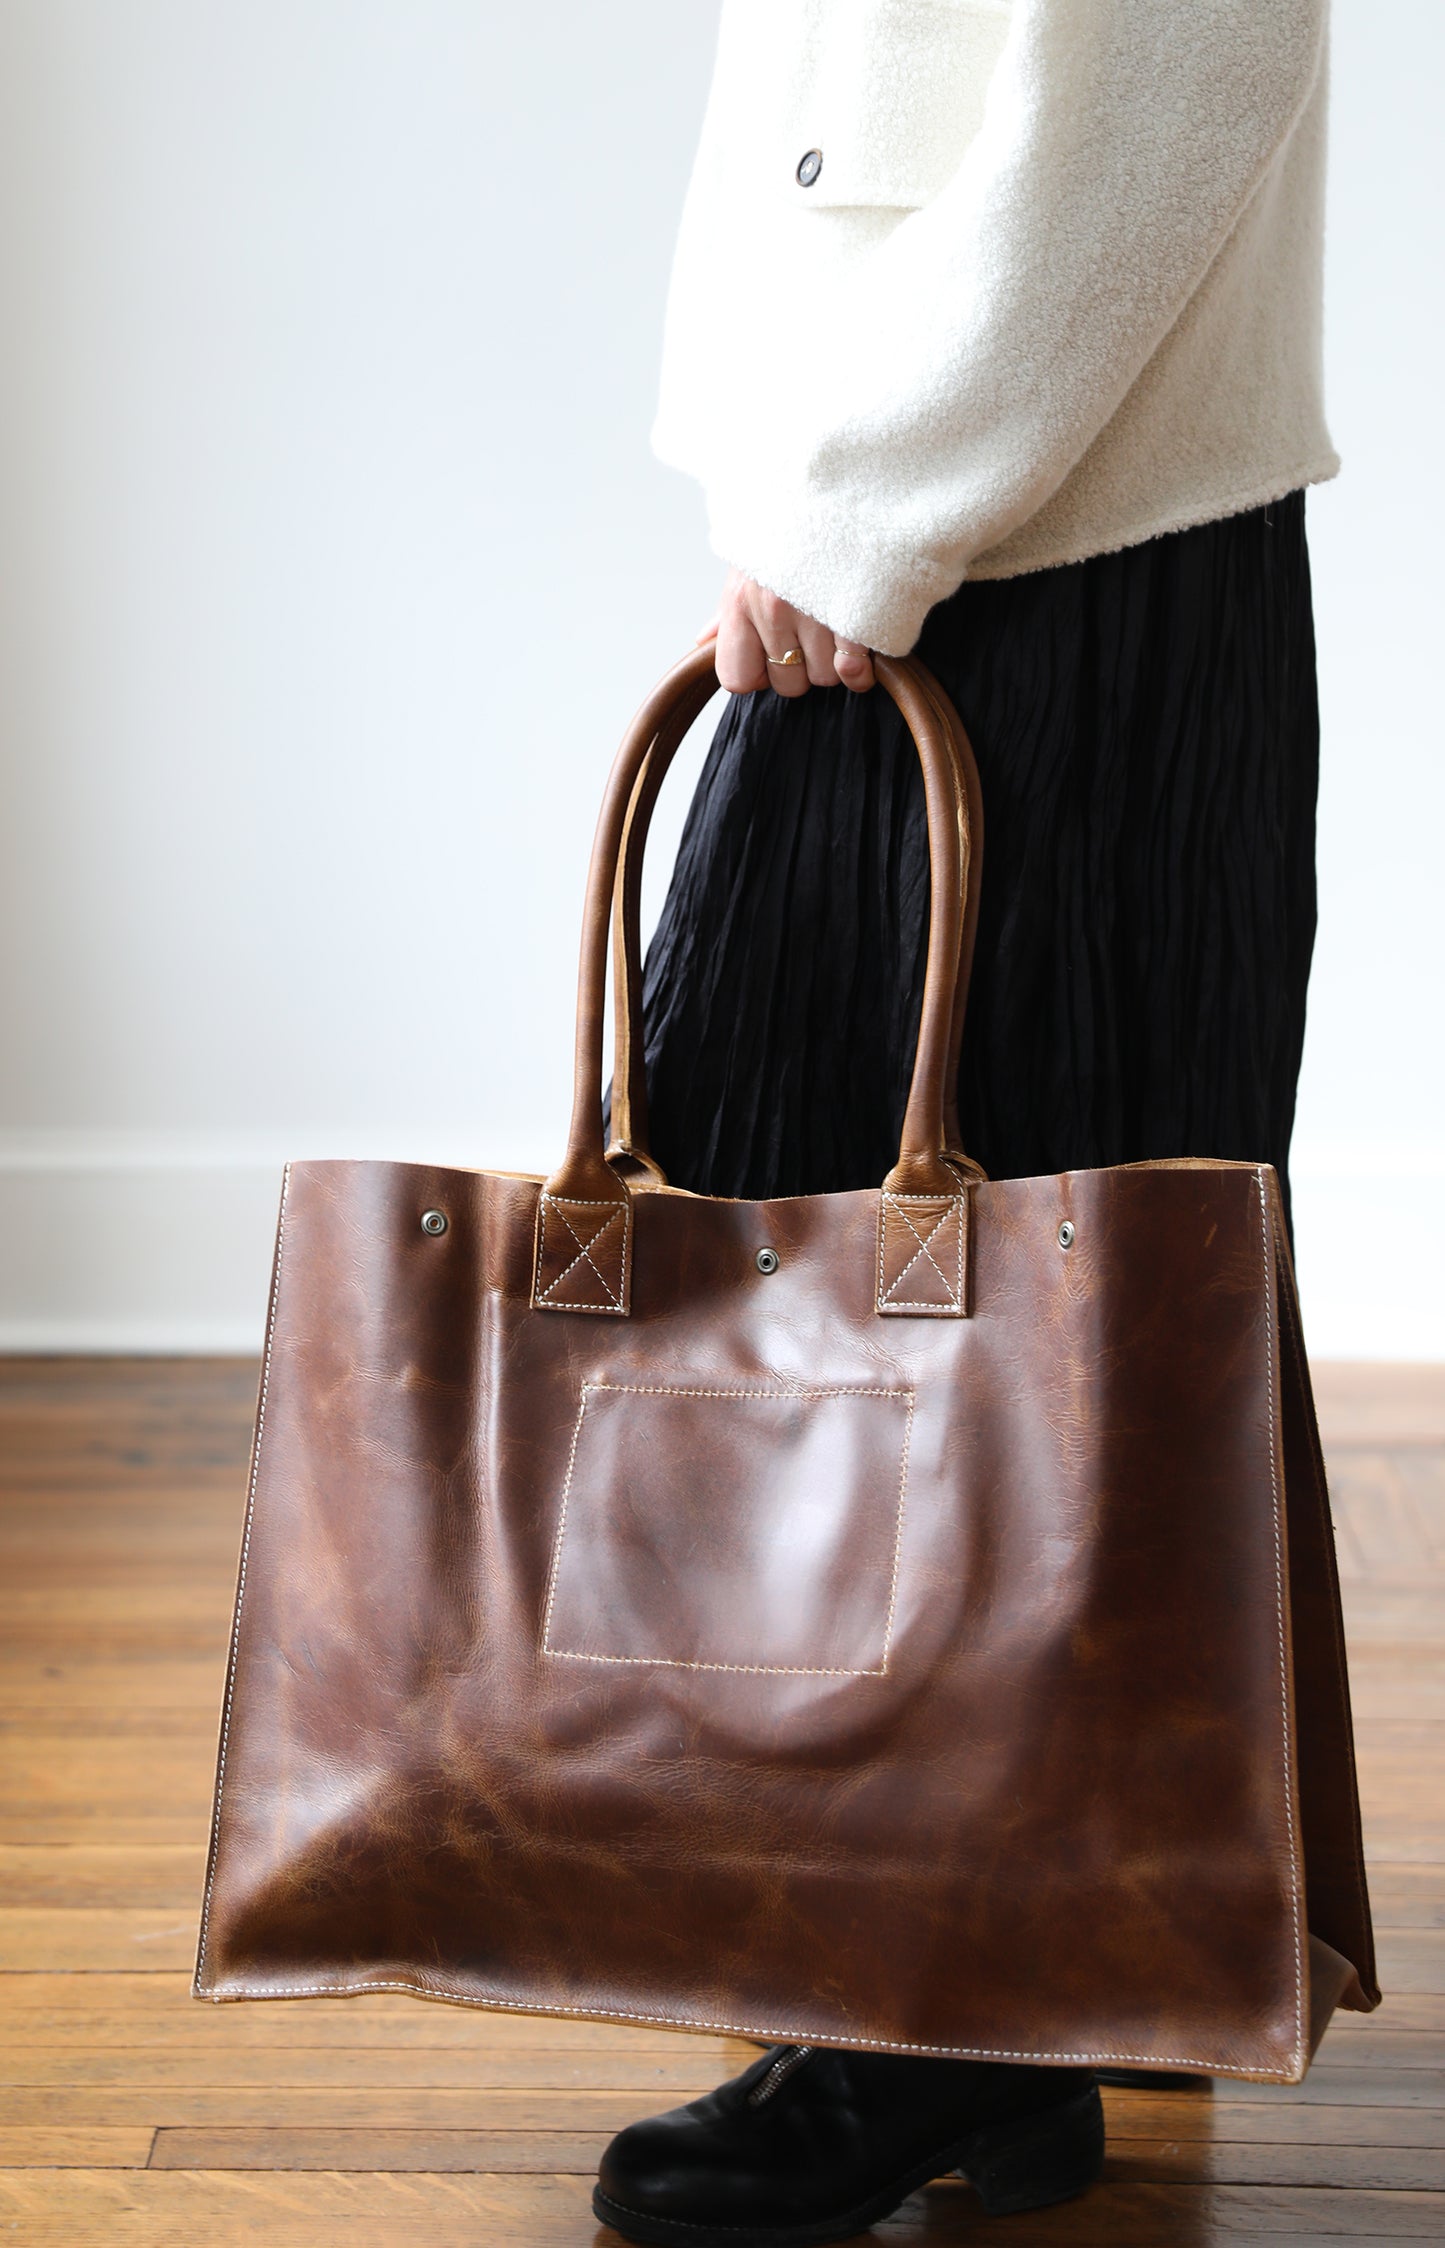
{"x":753,"y":624}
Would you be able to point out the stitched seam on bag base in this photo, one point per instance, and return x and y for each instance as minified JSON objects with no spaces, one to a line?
{"x":750,"y":1670}
{"x":241,"y":1573}
{"x":772,"y":2036}
{"x":1275,"y":1439}
{"x":546,"y":1296}
{"x":1297,"y":1351}
{"x":885,"y":1293}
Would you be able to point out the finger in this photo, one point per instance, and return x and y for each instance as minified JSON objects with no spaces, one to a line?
{"x":779,"y":627}
{"x":741,"y":658}
{"x":817,"y":644}
{"x":788,"y":671}
{"x":708,"y":632}
{"x":854,"y":666}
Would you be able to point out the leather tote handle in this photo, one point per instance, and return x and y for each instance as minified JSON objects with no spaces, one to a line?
{"x":584,"y":1233}
{"x":630,"y":1150}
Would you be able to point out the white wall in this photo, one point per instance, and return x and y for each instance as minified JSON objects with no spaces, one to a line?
{"x":332,"y":561}
{"x":1370,"y":1147}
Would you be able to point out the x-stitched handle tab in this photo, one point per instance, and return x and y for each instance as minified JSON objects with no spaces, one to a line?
{"x":922,"y":1254}
{"x":582,"y":1256}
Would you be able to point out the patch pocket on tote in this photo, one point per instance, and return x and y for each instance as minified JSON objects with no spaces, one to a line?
{"x":731,"y":1529}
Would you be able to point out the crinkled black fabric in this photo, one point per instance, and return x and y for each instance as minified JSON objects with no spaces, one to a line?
{"x":1146,"y":728}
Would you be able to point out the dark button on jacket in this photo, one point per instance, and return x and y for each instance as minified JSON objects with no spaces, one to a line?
{"x":809,"y":167}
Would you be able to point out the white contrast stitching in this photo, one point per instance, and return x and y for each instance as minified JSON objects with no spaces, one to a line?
{"x":751,"y":1670}
{"x":584,"y":1250}
{"x":742,"y":1670}
{"x":232,"y":1666}
{"x":924,"y":1249}
{"x":562,"y":1518}
{"x":668,"y":1389}
{"x":898,"y":1536}
{"x":546,"y":1298}
{"x":1269,"y":1347}
{"x":770,"y":2036}
{"x":886,"y":1292}
{"x":889,"y":1294}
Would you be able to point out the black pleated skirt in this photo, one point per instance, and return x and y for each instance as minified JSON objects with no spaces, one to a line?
{"x":1146,"y":727}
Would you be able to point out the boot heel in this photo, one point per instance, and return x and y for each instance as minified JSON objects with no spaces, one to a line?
{"x":1041,"y":2158}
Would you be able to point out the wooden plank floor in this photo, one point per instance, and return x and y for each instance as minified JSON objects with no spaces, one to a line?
{"x":129,"y":2114}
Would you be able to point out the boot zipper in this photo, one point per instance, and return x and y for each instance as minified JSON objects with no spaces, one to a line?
{"x":792,"y":2057}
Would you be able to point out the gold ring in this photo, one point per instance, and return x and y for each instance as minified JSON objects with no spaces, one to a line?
{"x":789,"y":655}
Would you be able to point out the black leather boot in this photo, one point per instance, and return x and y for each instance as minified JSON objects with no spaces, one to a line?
{"x":810,"y":2145}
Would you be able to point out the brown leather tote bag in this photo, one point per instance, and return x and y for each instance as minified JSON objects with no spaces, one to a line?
{"x":903,"y":1618}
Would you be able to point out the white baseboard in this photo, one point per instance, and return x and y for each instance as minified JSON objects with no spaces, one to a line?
{"x":120,"y":1246}
{"x":147,"y":1245}
{"x":1364,"y":1222}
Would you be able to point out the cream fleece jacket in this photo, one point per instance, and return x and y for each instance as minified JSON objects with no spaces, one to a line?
{"x":1054,"y":289}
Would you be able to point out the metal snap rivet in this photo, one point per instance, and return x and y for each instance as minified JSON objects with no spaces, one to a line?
{"x":767,"y":1260}
{"x":809,"y":166}
{"x":433,"y":1221}
{"x":1066,"y":1234}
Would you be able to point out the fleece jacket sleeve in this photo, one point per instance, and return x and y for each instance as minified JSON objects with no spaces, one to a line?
{"x":1001,"y":324}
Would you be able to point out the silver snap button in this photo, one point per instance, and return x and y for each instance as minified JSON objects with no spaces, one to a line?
{"x":767,"y":1260}
{"x":1066,"y":1234}
{"x":433,"y":1221}
{"x":809,"y":166}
